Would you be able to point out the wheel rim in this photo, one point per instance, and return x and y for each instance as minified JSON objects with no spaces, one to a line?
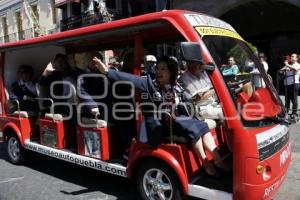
{"x":157,"y":185}
{"x":14,"y":148}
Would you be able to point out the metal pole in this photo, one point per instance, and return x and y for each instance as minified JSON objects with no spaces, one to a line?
{"x":157,"y":5}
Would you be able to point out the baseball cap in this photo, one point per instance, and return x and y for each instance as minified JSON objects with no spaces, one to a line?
{"x":150,"y":58}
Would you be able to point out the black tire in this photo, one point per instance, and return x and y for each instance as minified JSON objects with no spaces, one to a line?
{"x":151,"y":169}
{"x":16,"y":153}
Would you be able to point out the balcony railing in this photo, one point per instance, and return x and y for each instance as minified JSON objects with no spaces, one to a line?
{"x":25,"y":34}
{"x":6,"y":38}
{"x":12,"y":37}
{"x":87,"y":19}
{"x":50,"y":31}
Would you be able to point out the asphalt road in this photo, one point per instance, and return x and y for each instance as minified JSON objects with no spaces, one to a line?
{"x":44,"y":178}
{"x":290,"y":190}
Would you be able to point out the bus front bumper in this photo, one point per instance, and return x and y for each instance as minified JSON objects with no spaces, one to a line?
{"x":258,"y":188}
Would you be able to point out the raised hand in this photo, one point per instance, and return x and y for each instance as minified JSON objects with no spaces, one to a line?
{"x":48,"y":69}
{"x":100,"y":65}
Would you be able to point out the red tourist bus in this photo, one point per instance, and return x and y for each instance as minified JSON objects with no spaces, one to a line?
{"x":253,"y":132}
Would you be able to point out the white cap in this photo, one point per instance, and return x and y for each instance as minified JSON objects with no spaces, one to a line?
{"x":150,"y":58}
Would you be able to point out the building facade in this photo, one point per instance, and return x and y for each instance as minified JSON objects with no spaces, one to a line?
{"x":25,"y":19}
{"x":78,"y":13}
{"x":271,"y":25}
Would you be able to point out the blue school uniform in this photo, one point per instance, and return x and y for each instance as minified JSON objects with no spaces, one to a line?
{"x":191,"y":129}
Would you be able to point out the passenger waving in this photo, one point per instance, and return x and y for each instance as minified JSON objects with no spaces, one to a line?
{"x":167,"y":92}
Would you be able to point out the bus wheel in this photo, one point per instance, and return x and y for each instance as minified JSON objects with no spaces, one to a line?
{"x":156,"y":181}
{"x":16,"y":153}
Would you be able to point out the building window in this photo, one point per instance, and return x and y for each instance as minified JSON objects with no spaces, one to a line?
{"x":86,"y":5}
{"x":64,"y":12}
{"x":5,"y":29}
{"x":76,"y":9}
{"x":35,"y":11}
{"x":111,"y":4}
{"x":54,"y":13}
{"x":35,"y":19}
{"x":76,"y":19}
{"x":19,"y":25}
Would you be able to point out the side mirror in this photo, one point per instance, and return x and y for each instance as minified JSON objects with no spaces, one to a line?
{"x":191,"y":51}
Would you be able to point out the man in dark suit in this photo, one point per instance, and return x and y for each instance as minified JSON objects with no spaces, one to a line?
{"x":24,"y":89}
{"x":91,"y":89}
{"x":57,"y":70}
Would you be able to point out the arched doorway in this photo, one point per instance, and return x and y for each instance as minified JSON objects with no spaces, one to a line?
{"x":272,"y":26}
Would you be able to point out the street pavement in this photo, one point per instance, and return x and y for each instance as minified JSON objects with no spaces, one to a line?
{"x":44,"y":178}
{"x":290,"y":190}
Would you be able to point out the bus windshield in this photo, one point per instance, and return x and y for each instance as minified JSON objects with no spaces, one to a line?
{"x":251,"y":89}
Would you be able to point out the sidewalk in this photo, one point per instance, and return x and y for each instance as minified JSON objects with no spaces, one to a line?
{"x":283,"y":100}
{"x":290,"y":189}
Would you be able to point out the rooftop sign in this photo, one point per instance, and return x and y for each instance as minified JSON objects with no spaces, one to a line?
{"x":207,"y":21}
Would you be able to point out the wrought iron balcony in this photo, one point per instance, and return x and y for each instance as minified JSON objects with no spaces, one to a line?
{"x":87,"y":19}
{"x":25,"y":34}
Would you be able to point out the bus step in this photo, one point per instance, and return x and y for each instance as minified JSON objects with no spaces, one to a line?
{"x":224,"y":183}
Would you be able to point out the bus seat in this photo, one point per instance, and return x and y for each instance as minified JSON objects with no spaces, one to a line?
{"x":242,"y":98}
{"x":98,"y":122}
{"x":42,"y":92}
{"x":24,"y":114}
{"x":55,"y":117}
{"x":12,"y":105}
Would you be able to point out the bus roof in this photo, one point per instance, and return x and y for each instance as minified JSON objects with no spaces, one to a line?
{"x":148,"y":21}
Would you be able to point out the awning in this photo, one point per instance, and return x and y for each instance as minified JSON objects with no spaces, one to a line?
{"x":62,"y":2}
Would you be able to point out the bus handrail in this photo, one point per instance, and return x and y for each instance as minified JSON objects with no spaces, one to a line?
{"x":46,"y":99}
{"x":18,"y":106}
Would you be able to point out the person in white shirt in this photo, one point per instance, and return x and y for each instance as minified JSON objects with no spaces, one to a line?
{"x":292,"y":72}
{"x":263,"y":60}
{"x":198,"y":88}
{"x":256,"y":76}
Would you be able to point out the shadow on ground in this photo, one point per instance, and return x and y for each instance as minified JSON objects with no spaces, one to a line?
{"x":89,"y":179}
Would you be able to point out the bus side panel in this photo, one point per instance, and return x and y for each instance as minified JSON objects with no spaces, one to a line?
{"x":2,"y":94}
{"x":9,"y":126}
{"x":247,"y":181}
{"x":277,"y":166}
{"x":2,"y":91}
{"x":170,"y":154}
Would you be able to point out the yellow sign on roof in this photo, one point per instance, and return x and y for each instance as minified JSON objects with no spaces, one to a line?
{"x":203,"y":31}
